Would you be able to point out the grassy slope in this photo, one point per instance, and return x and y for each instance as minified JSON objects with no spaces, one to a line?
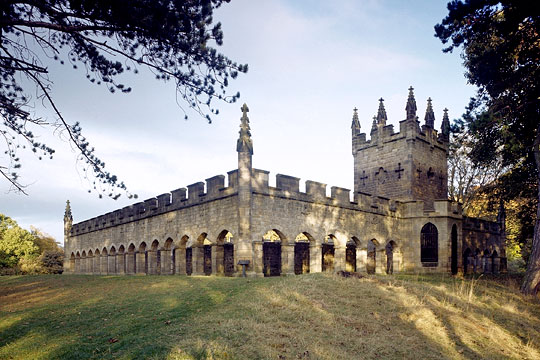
{"x":310,"y":316}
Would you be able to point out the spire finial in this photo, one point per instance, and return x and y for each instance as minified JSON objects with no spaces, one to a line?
{"x":374,"y":125}
{"x":67,"y":213}
{"x":244,"y":142}
{"x":430,"y":115}
{"x":355,"y":126}
{"x":445,"y":127}
{"x":381,"y":113}
{"x":411,"y":105}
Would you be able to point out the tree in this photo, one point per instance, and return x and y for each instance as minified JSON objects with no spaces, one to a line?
{"x":16,"y":243}
{"x":172,"y":38}
{"x":500,"y":47}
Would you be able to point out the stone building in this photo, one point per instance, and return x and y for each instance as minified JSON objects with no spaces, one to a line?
{"x":399,"y":219}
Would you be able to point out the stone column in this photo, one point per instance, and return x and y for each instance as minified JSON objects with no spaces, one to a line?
{"x":361,"y":260}
{"x":112,"y":264}
{"x":339,"y":258}
{"x":380,"y":262}
{"x":257,"y":256}
{"x":181,"y":261}
{"x":315,"y":258}
{"x":287,"y":259}
{"x":197,"y":259}
{"x":217,"y":259}
{"x":121,"y":263}
{"x":130,"y":260}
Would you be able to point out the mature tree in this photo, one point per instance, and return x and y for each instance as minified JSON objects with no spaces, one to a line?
{"x":501,"y":52}
{"x":173,"y":38}
{"x":16,"y":243}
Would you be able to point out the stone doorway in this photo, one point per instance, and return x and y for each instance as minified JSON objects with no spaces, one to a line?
{"x":301,"y":258}
{"x":207,"y":259}
{"x":189,"y":261}
{"x":350,"y":257}
{"x":228,"y":259}
{"x":371,"y":257}
{"x":328,"y":257}
{"x":271,"y":258}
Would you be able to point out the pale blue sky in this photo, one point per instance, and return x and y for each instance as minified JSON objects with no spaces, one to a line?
{"x":310,"y":64}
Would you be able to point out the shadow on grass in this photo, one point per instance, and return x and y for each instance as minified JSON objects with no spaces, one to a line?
{"x":309,"y":316}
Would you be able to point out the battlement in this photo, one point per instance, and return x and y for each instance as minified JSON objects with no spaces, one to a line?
{"x":481,"y":225}
{"x":177,"y":199}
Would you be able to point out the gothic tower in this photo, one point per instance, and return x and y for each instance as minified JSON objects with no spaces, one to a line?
{"x":408,"y":165}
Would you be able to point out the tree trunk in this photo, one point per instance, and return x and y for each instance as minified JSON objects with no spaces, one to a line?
{"x":531,"y":282}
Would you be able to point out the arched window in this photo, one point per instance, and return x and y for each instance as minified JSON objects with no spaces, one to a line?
{"x":429,"y":245}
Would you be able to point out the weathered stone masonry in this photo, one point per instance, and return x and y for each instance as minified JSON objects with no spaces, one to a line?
{"x":399,"y":219}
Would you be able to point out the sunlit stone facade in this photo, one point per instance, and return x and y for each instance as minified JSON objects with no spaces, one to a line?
{"x":399,"y":219}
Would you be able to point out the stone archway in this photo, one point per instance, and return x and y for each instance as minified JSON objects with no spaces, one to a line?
{"x":371,"y":264}
{"x":429,"y":245}
{"x":111,"y":260}
{"x":142,"y":259}
{"x":131,"y":259}
{"x":272,"y":253}
{"x":301,"y":254}
{"x":166,"y":266}
{"x":90,"y":262}
{"x":328,"y":253}
{"x":121,"y":260}
{"x":225,"y":254}
{"x":495,"y":262}
{"x":97,"y":262}
{"x":390,"y":250}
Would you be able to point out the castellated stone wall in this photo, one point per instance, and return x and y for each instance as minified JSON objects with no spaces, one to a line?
{"x":397,"y":219}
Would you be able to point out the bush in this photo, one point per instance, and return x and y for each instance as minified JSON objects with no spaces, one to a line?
{"x":52,"y":262}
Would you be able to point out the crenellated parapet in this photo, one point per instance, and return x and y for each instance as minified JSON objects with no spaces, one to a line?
{"x":198,"y":193}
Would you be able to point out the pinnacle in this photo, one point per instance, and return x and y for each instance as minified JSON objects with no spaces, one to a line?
{"x":381,"y":113}
{"x":430,"y":115}
{"x":411,"y":105}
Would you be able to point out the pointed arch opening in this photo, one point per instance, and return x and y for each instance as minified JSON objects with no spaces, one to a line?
{"x":371,"y":256}
{"x":142,"y":259}
{"x":225,"y":253}
{"x":121,"y":260}
{"x":301,"y":253}
{"x":203,"y":258}
{"x":90,"y":262}
{"x":131,"y":260}
{"x":429,"y":245}
{"x":390,"y":250}
{"x":272,"y":240}
{"x":166,"y":257}
{"x":328,"y":253}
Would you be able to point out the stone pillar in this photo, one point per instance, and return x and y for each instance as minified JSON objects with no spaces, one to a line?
{"x":166,"y":262}
{"x":181,"y":261}
{"x":112,"y":264}
{"x":339,"y":258}
{"x":244,"y":146}
{"x":257,"y":265}
{"x":361,"y":260}
{"x":121,"y":263}
{"x":287,"y":259}
{"x":380,"y":262}
{"x":130,"y":261}
{"x":103,"y":264}
{"x":197,"y":259}
{"x":140,"y":256}
{"x":315,"y":258}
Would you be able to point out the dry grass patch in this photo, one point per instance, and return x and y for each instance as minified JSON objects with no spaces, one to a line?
{"x":315,"y":316}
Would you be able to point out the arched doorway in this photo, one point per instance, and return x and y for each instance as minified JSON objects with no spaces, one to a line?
{"x":390,"y":251}
{"x":495,"y":262}
{"x":182,"y":264}
{"x":83,"y":262}
{"x":166,"y":257}
{"x":97,"y":262}
{"x":454,"y":251}
{"x":130,"y":259}
{"x":111,"y":259}
{"x":121,"y":260}
{"x":104,"y":262}
{"x":142,"y":259}
{"x":72,"y":263}
{"x":154,"y":258}
{"x":328,"y":253}
{"x":371,"y":264}
{"x":90,"y":262}
{"x":486,"y":261}
{"x":429,"y":245}
{"x":225,"y":253}
{"x":301,"y":254}
{"x":350,"y":254}
{"x":204,"y":256}
{"x":272,"y":253}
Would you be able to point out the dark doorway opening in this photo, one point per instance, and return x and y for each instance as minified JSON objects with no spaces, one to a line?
{"x":271,"y":258}
{"x":350,"y":258}
{"x":328,"y":257}
{"x":301,"y":258}
{"x":454,"y":248}
{"x":189,"y":261}
{"x":207,"y":258}
{"x":228,"y":259}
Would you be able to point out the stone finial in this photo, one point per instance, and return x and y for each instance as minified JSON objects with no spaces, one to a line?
{"x":381,"y":113}
{"x":355,"y":126}
{"x":244,"y":143}
{"x":430,"y":115}
{"x":411,"y":105}
{"x":374,"y":125}
{"x":445,"y":127}
{"x":67,"y":214}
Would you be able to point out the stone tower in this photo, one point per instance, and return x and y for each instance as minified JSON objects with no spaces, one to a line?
{"x":408,"y":165}
{"x":68,"y":221}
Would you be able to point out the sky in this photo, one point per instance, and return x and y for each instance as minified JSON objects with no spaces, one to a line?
{"x":310,"y":63}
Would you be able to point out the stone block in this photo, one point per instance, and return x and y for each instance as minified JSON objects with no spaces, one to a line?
{"x":259,"y":182}
{"x":178,"y":196}
{"x":215,"y":184}
{"x":316,"y":189}
{"x":195,"y":191}
{"x":164,"y":200}
{"x":288,"y":183}
{"x":341,"y":195}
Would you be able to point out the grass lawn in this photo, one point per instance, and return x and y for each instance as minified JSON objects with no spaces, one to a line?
{"x":315,"y":316}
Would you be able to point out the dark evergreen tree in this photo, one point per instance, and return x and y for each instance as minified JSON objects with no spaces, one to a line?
{"x":500,"y":47}
{"x":173,"y":38}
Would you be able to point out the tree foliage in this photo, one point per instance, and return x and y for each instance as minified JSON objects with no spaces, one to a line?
{"x":16,"y":243}
{"x":500,"y":42}
{"x":172,"y":38}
